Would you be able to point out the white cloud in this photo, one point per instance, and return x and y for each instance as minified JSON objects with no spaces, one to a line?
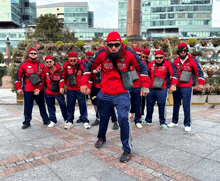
{"x":105,"y":11}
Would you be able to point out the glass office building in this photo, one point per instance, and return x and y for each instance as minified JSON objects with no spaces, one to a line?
{"x":182,"y":18}
{"x":15,"y":15}
{"x":74,"y":14}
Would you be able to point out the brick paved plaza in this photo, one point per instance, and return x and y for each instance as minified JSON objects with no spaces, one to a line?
{"x":41,"y":153}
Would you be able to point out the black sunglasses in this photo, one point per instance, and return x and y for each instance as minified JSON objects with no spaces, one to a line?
{"x":33,"y":53}
{"x":139,"y":55}
{"x":182,"y":51}
{"x":158,"y":57}
{"x":113,"y":44}
{"x":145,"y":56}
{"x":48,"y":61}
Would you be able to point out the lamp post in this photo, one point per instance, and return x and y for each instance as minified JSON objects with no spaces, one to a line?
{"x":8,"y":50}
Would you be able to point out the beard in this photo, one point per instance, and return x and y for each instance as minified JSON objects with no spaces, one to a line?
{"x":33,"y":58}
{"x":114,"y":56}
{"x":183,"y":57}
{"x":159,"y":64}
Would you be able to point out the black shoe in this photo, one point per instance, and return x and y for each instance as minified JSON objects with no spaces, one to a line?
{"x":46,"y":123}
{"x":115,"y":126}
{"x":125,"y":157}
{"x":25,"y":126}
{"x":99,"y":143}
{"x":96,"y":122}
{"x":79,"y":121}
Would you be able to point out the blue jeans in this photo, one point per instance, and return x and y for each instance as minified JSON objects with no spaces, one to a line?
{"x":161,"y":97}
{"x":182,"y":93}
{"x":136,"y":103}
{"x":72,"y":95}
{"x":50,"y":100}
{"x":105,"y":104}
{"x":29,"y":98}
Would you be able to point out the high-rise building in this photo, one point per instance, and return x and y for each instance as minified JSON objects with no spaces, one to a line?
{"x":182,"y":18}
{"x":17,"y":13}
{"x":74,"y":14}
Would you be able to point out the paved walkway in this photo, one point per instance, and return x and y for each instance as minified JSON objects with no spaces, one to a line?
{"x":54,"y":154}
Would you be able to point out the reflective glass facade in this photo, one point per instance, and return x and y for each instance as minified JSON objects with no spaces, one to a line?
{"x":17,"y":13}
{"x":163,"y":17}
{"x":74,"y":15}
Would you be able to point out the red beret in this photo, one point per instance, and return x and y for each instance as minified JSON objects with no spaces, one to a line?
{"x":89,"y":53}
{"x":146,"y":52}
{"x":159,"y":52}
{"x":182,"y":45}
{"x":113,"y":36}
{"x":32,"y":49}
{"x":72,"y":54}
{"x":101,"y":47}
{"x":137,"y":50}
{"x":48,"y":57}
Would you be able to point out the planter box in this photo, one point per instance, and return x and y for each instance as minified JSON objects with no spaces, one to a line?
{"x":213,"y":98}
{"x":199,"y":99}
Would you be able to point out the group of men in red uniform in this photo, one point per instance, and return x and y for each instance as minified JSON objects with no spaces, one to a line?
{"x":116,"y":77}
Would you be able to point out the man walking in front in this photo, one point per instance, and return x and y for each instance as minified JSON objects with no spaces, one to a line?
{"x":30,"y":72}
{"x":115,"y":60}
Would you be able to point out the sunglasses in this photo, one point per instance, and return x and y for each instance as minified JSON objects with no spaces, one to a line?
{"x":158,"y":57}
{"x":33,"y":53}
{"x":73,"y":61}
{"x":48,"y":61}
{"x":113,"y":44}
{"x":145,"y":56}
{"x":182,"y":51}
{"x":139,"y":55}
{"x":89,"y":57}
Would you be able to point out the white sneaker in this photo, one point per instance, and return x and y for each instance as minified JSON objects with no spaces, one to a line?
{"x":138,"y":125}
{"x":68,"y":125}
{"x":87,"y":125}
{"x":149,"y":124}
{"x":187,"y":129}
{"x":52,"y":124}
{"x":172,"y":125}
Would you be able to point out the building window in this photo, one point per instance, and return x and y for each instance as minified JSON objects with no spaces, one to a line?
{"x":163,"y":16}
{"x":83,"y":19}
{"x":190,"y":15}
{"x":25,"y":17}
{"x":26,"y":4}
{"x":170,"y":16}
{"x":206,"y":22}
{"x":58,"y":9}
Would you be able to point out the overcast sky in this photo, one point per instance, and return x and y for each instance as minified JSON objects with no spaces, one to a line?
{"x":105,"y":11}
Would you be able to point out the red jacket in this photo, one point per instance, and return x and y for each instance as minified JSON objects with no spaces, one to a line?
{"x":166,"y":71}
{"x":93,"y":79}
{"x":190,"y":64}
{"x":47,"y":76}
{"x":111,"y":82}
{"x":26,"y":69}
{"x":68,"y":69}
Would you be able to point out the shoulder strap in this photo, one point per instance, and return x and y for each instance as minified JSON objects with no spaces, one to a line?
{"x":116,"y":66}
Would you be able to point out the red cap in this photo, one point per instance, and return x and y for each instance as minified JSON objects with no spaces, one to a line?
{"x":146,"y":52}
{"x":159,"y":52}
{"x":182,"y":45}
{"x":89,"y":53}
{"x":113,"y":36}
{"x":32,"y":49}
{"x":137,"y":50}
{"x":48,"y":57}
{"x":72,"y":54}
{"x":101,"y":47}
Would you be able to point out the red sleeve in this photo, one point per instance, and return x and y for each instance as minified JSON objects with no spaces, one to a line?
{"x":63,"y":76}
{"x":43,"y":80}
{"x":19,"y":76}
{"x":173,"y":73}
